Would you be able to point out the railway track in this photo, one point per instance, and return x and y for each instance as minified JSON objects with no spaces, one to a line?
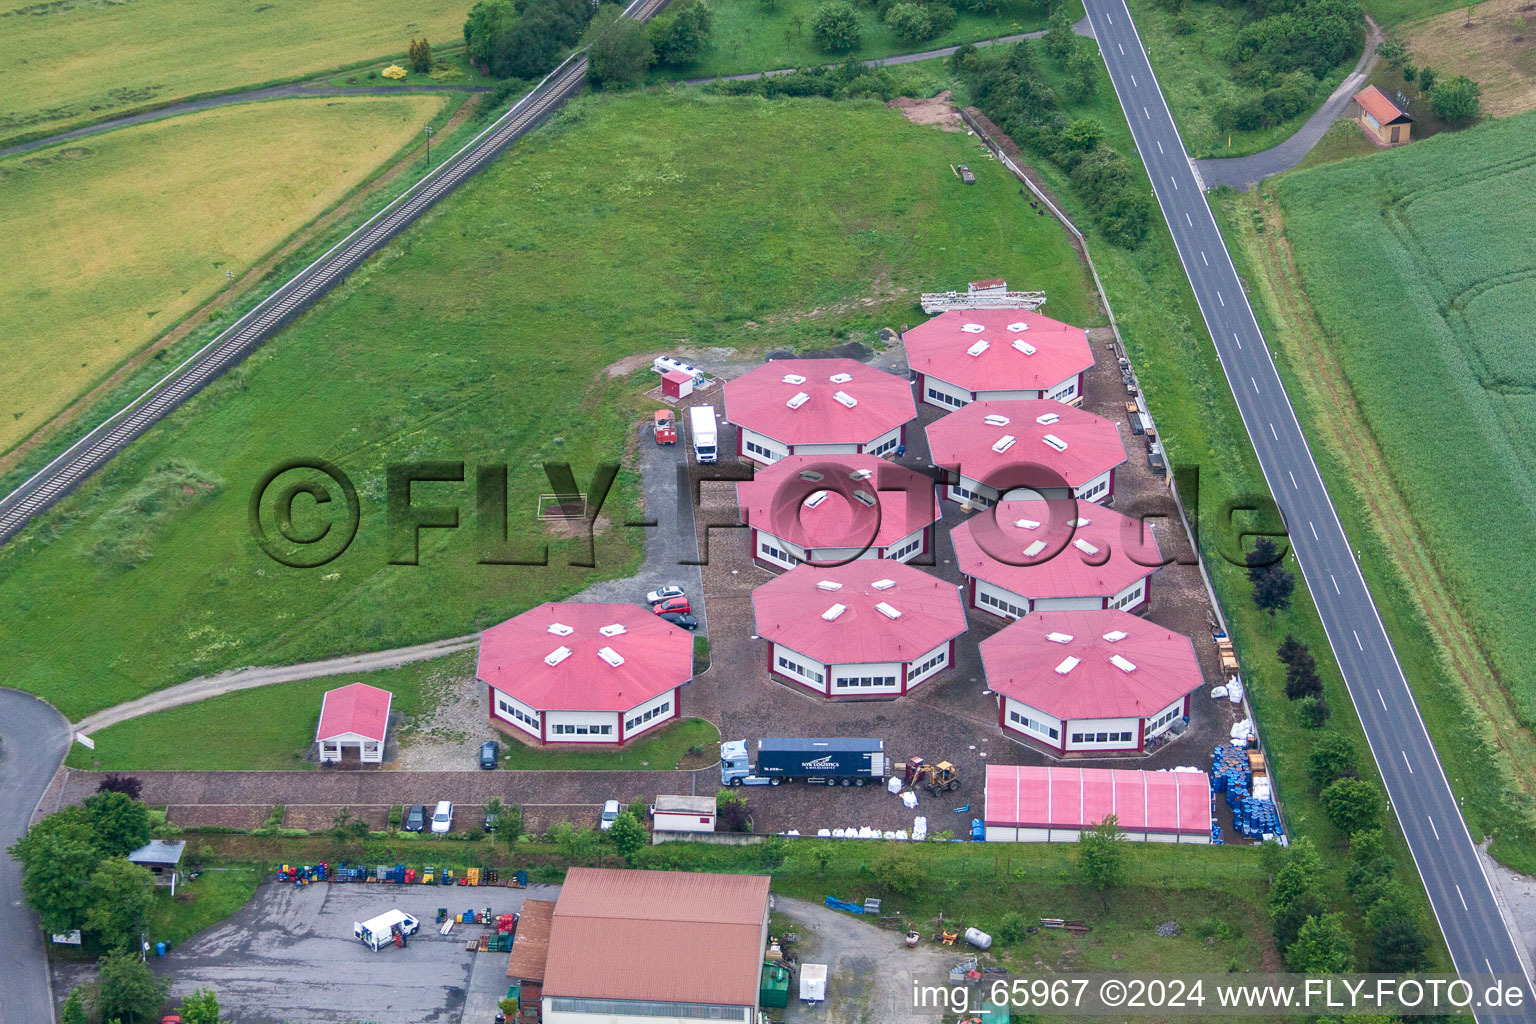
{"x":95,"y":449}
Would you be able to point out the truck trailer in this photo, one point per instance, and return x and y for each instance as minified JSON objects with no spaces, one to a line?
{"x":844,"y":762}
{"x":706,"y":436}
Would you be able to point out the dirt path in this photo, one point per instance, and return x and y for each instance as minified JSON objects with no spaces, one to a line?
{"x":1349,"y":437}
{"x":248,"y":678}
{"x":238,"y":287}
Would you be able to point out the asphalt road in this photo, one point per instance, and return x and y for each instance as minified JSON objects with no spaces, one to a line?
{"x":33,"y":740}
{"x":1479,"y":939}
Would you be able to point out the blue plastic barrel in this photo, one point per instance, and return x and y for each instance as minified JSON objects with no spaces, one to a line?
{"x":159,"y":949}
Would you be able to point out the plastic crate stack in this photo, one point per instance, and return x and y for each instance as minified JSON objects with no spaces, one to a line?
{"x":1257,"y":818}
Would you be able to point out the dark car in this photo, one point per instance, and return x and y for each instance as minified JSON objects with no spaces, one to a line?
{"x":489,"y":822}
{"x":415,"y":818}
{"x":490,"y":751}
{"x":683,"y":619}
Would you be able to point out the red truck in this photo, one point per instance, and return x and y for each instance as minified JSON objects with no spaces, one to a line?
{"x":666,"y":427}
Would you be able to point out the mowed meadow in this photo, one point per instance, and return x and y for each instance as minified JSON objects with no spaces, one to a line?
{"x":77,"y":61}
{"x":1423,"y":274}
{"x":129,"y":231}
{"x":629,"y":225}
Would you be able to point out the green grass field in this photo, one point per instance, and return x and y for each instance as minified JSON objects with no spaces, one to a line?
{"x":496,"y":318}
{"x":277,"y":723}
{"x":80,"y":61}
{"x":200,"y":903}
{"x":128,"y":232}
{"x":748,"y":38}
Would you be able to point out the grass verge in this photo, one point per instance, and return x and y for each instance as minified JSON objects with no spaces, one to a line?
{"x":200,"y":903}
{"x":689,"y":743}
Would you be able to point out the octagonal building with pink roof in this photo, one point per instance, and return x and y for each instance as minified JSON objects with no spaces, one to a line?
{"x":977,"y":355}
{"x":817,"y":407}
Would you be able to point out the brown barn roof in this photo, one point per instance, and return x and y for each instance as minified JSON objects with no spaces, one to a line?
{"x":674,"y":936}
{"x":1374,"y":102}
{"x":530,"y":949}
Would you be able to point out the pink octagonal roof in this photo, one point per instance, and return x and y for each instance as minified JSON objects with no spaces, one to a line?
{"x":1051,"y":442}
{"x":1061,"y":548}
{"x":845,"y":402}
{"x":574,"y":656}
{"x":866,"y":611}
{"x":824,"y":501}
{"x":1090,"y":664}
{"x":1024,"y":351}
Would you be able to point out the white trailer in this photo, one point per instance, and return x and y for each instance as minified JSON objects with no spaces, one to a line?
{"x":684,"y":814}
{"x":706,"y":436}
{"x":813,"y":983}
{"x":380,"y":931}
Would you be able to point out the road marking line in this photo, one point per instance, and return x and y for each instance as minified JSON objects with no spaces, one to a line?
{"x":1175,"y":185}
{"x":1293,"y":479}
{"x":1186,"y":215}
{"x":1432,"y":827}
{"x":1256,"y":391}
{"x":1133,"y":85}
{"x":1381,"y":698}
{"x":1109,"y":17}
{"x":1145,"y":114}
{"x":1336,"y":589}
{"x":1272,"y":432}
{"x":1122,"y":50}
{"x":1357,"y":639}
{"x":1314,"y":530}
{"x":1465,"y":907}
{"x":1237,"y":339}
{"x":1490,"y":966}
{"x":1410,"y":772}
{"x":1202,"y":253}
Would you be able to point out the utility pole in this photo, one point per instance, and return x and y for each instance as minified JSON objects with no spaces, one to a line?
{"x":428,"y":130}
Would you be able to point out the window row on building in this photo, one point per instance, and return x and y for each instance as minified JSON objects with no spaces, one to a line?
{"x":655,"y":712}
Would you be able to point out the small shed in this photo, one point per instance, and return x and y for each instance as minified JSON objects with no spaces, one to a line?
{"x":1383,"y":120}
{"x":684,"y":814}
{"x":356,"y":715}
{"x":530,"y":955}
{"x":162,"y":858}
{"x":677,"y":384}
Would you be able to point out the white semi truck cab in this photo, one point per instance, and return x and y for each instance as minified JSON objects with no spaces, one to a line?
{"x":706,"y":435}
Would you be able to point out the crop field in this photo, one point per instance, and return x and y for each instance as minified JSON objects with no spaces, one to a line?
{"x":129,"y":231}
{"x":748,"y":38}
{"x":709,"y":222}
{"x":1421,"y":279}
{"x":78,"y":61}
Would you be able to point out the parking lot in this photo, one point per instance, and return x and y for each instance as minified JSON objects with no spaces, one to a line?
{"x":289,"y":955}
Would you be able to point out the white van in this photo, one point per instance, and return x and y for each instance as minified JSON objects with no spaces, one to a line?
{"x":380,"y":931}
{"x":442,"y":817}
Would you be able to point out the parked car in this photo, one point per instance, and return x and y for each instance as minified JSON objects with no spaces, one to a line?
{"x":490,"y":821}
{"x":490,"y":753}
{"x":442,"y":817}
{"x":610,"y":814}
{"x":672,"y":604}
{"x":666,"y":593}
{"x":415,"y":818}
{"x":683,"y":619}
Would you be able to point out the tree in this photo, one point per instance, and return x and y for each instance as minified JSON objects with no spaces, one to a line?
{"x":1288,"y":649}
{"x":910,"y":22}
{"x":627,"y":835}
{"x":1457,"y":100}
{"x":1428,"y":76}
{"x":1332,"y":758}
{"x":124,"y":784}
{"x":420,"y":54}
{"x":1101,"y":854}
{"x":1084,"y":134}
{"x":900,"y":871}
{"x":509,"y":825}
{"x":619,"y":56}
{"x":1301,"y":678}
{"x":347,"y":829}
{"x":121,"y":823}
{"x":1313,"y":712}
{"x":58,"y":855}
{"x":1322,"y":946}
{"x":1293,"y":894}
{"x":73,"y":1010}
{"x":731,"y":811}
{"x":1084,"y":70}
{"x":1059,"y":39}
{"x":1397,"y":943}
{"x":682,"y":34}
{"x":1393,"y":52}
{"x":822,"y":855}
{"x":835,"y":27}
{"x":201,"y":1007}
{"x":1410,"y":71}
{"x":577,"y":845}
{"x":488,"y":21}
{"x":1272,"y":585}
{"x":1351,"y":804}
{"x":119,"y":896}
{"x":130,"y":991}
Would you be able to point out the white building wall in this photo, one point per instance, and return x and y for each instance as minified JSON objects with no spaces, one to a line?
{"x":1096,"y":489}
{"x":906,"y":549}
{"x":1132,"y":597}
{"x":940,"y":658}
{"x":553,"y":1016}
{"x":813,"y":674}
{"x":1172,"y":713}
{"x":1066,"y":391}
{"x":872,"y":670}
{"x":778,"y":552}
{"x":837,"y":556}
{"x":827,"y":449}
{"x":885,"y":444}
{"x":1065,"y":604}
{"x":989,"y":597}
{"x":662,"y":708}
{"x":774,"y":451}
{"x":935,"y":392}
{"x":1091,"y":727}
{"x":1035,"y":722}
{"x":1016,"y":395}
{"x":974,"y":491}
{"x":592,"y":721}
{"x":503,"y":708}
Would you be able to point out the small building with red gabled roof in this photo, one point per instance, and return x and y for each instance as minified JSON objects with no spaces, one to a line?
{"x":817,"y":407}
{"x":1050,"y":449}
{"x":1037,"y":556}
{"x":871,"y":628}
{"x":574,"y":672}
{"x":830,"y":509}
{"x":1100,"y":682}
{"x":355,"y":715}
{"x":971,"y":355}
{"x":1384,"y":121}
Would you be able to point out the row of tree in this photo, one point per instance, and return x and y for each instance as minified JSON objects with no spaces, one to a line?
{"x":1455,"y":99}
{"x":524,"y":38}
{"x":625,"y":49}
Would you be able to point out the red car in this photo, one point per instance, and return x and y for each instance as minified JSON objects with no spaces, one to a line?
{"x":675,"y":604}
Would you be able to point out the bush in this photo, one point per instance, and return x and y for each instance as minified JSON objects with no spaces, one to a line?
{"x":1352,"y":804}
{"x":682,"y":34}
{"x":835,"y":27}
{"x":394,"y":816}
{"x":275,"y":816}
{"x":899,"y":871}
{"x":619,"y":56}
{"x":1012,"y":928}
{"x":1313,"y":712}
{"x":1332,"y":758}
{"x":127,"y":785}
{"x":1457,"y":100}
{"x":910,"y":22}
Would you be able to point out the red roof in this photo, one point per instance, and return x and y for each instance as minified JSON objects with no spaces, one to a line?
{"x":1026,"y":796}
{"x":1063,"y":548}
{"x":677,"y":376}
{"x":1074,"y":676}
{"x":356,"y":708}
{"x":516,"y":656}
{"x":792,"y":610}
{"x":673,"y":936}
{"x":964,"y":440}
{"x":941,"y":347}
{"x":1375,"y":102}
{"x":812,"y":501}
{"x":759,"y":401}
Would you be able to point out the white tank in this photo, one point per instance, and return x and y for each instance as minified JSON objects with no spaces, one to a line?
{"x":978,"y":938}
